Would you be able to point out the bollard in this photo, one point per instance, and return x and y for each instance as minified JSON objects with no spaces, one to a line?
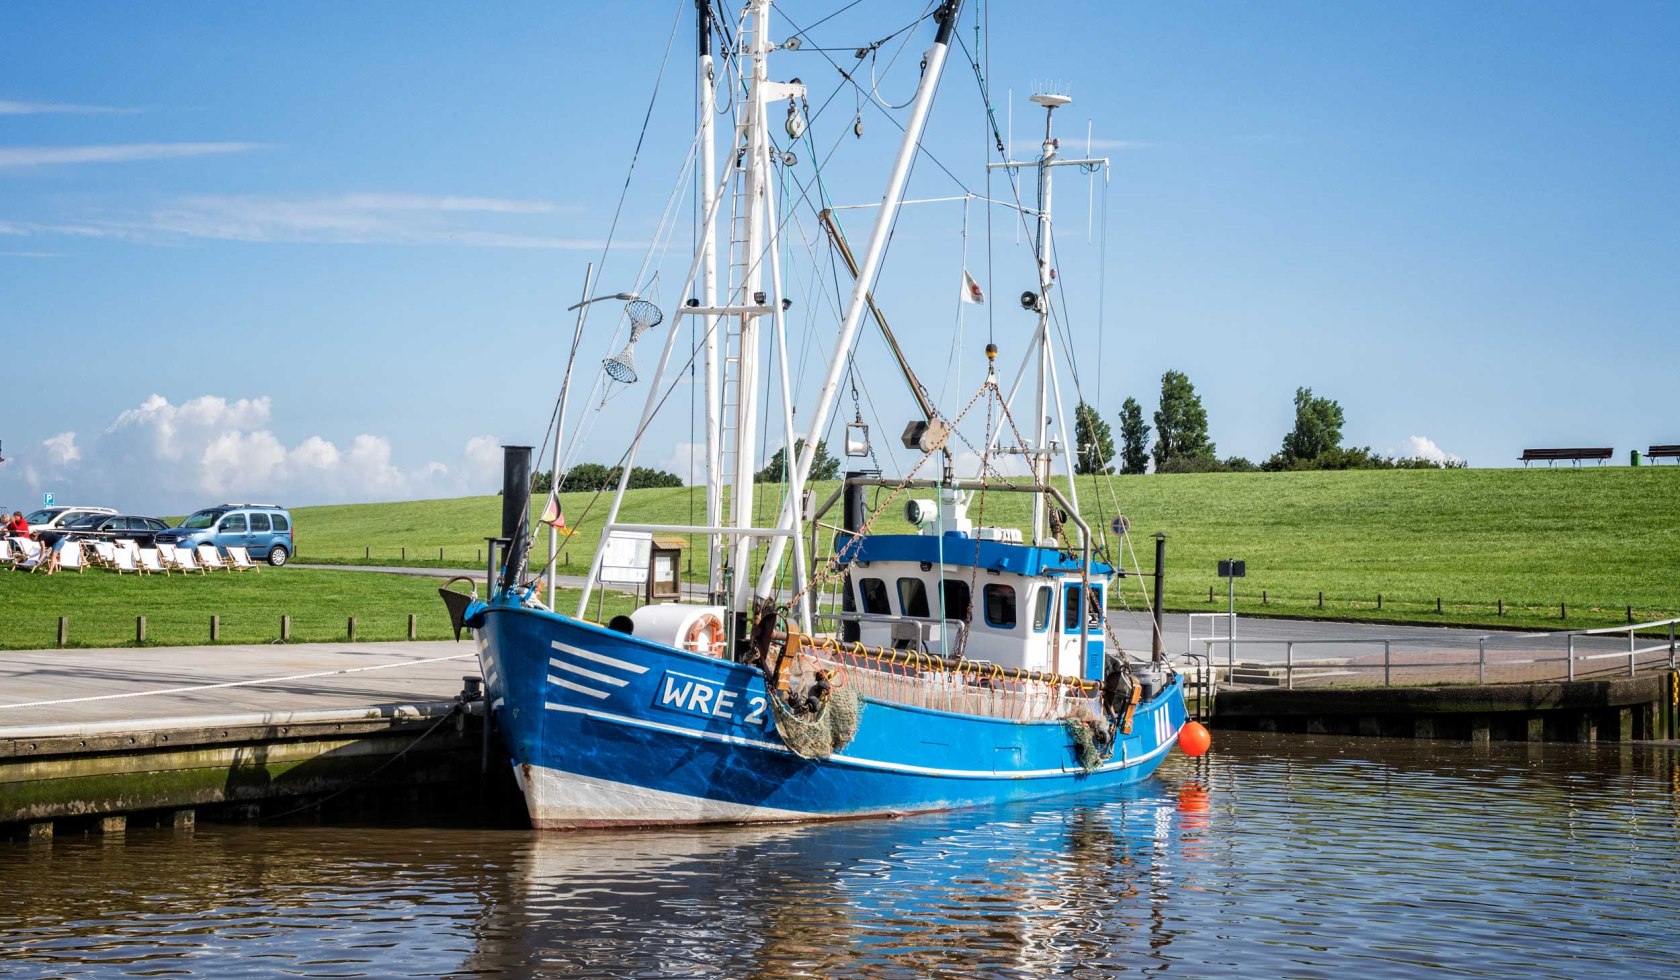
{"x":413,"y":627}
{"x":1630,"y":614}
{"x":1210,"y":593}
{"x":63,"y":630}
{"x":1379,"y":600}
{"x":1563,"y":610}
{"x":440,"y":554}
{"x":367,"y":551}
{"x":1321,"y":600}
{"x":285,"y":628}
{"x":1264,"y":599}
{"x":350,"y":629}
{"x":405,"y":553}
{"x":481,"y":556}
{"x":139,"y":629}
{"x":1502,"y":607}
{"x":215,"y":628}
{"x":1437,"y":604}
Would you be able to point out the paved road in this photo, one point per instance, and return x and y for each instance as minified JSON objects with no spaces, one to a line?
{"x":177,"y":683}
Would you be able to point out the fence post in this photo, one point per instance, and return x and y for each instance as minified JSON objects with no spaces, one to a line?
{"x":405,"y":553}
{"x":1264,"y":599}
{"x":139,"y":629}
{"x":63,"y":630}
{"x":1387,"y":650}
{"x":1502,"y":607}
{"x":1572,"y":656}
{"x":1210,"y":588}
{"x":1630,"y":614}
{"x":285,"y":628}
{"x":1437,"y":605}
{"x":367,"y":551}
{"x":1321,"y":599}
{"x":1563,"y":610}
{"x":1289,"y":665}
{"x":1481,"y":660}
{"x":215,"y":628}
{"x":413,"y":627}
{"x":350,"y":629}
{"x":1379,"y":600}
{"x":440,"y":554}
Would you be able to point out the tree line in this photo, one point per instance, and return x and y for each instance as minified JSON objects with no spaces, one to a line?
{"x":591,"y":477}
{"x":1182,"y":444}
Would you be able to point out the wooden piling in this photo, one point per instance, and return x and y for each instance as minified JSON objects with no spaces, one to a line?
{"x":350,"y":629}
{"x":63,"y":630}
{"x":285,"y":628}
{"x":139,"y":629}
{"x":413,"y":627}
{"x":215,"y":628}
{"x":183,"y":819}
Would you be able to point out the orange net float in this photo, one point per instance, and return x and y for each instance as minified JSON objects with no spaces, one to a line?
{"x":1194,"y":739}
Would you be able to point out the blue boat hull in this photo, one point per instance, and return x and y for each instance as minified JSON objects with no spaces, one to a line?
{"x":605,"y":729}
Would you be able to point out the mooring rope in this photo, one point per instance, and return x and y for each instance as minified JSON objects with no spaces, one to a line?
{"x":227,"y":684}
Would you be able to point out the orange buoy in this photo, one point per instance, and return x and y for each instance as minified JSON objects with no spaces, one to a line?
{"x":1194,"y":739}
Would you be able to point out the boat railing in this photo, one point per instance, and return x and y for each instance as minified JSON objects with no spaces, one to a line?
{"x":924,"y":627}
{"x":1503,"y":656}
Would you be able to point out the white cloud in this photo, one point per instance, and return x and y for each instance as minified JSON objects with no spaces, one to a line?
{"x":341,"y":219}
{"x":62,"y":449}
{"x":15,"y":108}
{"x":39,"y":156}
{"x":1421,"y":447}
{"x":168,"y":458}
{"x":683,"y":456}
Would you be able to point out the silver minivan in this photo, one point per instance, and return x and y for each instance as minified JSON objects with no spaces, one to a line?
{"x":264,"y":530}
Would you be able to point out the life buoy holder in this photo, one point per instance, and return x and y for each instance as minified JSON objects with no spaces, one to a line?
{"x":705,"y":635}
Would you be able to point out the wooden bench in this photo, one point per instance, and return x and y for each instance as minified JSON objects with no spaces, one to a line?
{"x":1658,"y":452}
{"x":1553,"y":455}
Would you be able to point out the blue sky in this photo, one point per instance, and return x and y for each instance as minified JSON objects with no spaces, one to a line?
{"x":322,"y":251}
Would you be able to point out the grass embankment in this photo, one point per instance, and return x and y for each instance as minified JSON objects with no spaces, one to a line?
{"x":102,"y":606}
{"x":1593,"y":539}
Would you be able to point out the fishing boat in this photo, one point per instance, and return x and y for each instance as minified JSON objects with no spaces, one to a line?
{"x":958,"y":665}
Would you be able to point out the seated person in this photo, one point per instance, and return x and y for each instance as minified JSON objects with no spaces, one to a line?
{"x":17,"y":527}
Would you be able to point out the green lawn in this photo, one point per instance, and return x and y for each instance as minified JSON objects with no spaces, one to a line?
{"x":102,"y":607}
{"x":1596,"y":539}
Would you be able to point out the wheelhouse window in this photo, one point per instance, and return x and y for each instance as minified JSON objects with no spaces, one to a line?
{"x":999,"y":603}
{"x":1041,"y":609}
{"x":957,"y":599}
{"x":1071,"y":620}
{"x":873,"y":592}
{"x":912,"y":597}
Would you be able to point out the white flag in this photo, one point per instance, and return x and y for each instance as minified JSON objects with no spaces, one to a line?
{"x":971,"y":290}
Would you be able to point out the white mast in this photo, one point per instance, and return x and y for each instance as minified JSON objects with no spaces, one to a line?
{"x":1040,"y":451}
{"x":706,"y":90}
{"x":934,"y":60}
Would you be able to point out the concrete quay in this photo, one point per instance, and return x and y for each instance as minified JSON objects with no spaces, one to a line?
{"x":96,"y":738}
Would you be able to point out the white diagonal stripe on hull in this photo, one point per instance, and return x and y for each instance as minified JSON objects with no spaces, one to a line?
{"x":592,"y":675}
{"x":577,"y":687}
{"x":597,"y":657}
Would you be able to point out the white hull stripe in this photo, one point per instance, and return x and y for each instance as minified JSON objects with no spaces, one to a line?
{"x":850,"y":760}
{"x":576,"y":687}
{"x":599,"y":658}
{"x":591,"y":674}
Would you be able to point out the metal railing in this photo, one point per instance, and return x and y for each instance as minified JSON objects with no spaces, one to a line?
{"x":1571,"y":657}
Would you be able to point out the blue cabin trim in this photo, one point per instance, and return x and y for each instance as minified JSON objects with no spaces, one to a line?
{"x":962,"y":550}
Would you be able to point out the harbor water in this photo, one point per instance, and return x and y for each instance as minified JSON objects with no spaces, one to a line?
{"x":1273,"y":856}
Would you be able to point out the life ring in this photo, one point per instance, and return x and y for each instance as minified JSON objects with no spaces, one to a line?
{"x":705,"y":635}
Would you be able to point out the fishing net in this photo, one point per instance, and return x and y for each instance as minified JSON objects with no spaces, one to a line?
{"x":828,"y":731}
{"x":1093,"y":744}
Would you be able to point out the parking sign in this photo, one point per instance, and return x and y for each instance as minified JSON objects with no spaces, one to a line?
{"x":46,"y":500}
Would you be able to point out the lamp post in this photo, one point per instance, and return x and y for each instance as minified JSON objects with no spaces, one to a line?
{"x":582,"y":308}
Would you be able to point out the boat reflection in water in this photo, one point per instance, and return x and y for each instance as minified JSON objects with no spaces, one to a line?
{"x":1022,"y":888}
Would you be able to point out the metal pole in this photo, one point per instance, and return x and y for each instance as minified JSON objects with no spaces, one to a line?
{"x":1631,"y":653}
{"x":1160,"y":593}
{"x":1671,"y":634}
{"x":1481,"y":660}
{"x":709,"y":296}
{"x":1289,"y":665}
{"x":1571,"y":656}
{"x":560,"y":427}
{"x":856,"y":306}
{"x":1230,"y":618}
{"x":1388,"y":651}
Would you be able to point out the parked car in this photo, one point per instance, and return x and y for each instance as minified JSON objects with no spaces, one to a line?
{"x":263,"y":530}
{"x":53,"y":519}
{"x":108,"y":527}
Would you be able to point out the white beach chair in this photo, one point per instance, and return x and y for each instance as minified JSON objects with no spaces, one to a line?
{"x":166,"y":553}
{"x":209,"y":557}
{"x":105,"y":553}
{"x":184,"y":561}
{"x":70,"y":555}
{"x":128,"y":545}
{"x":123,"y":561}
{"x":239,"y":559}
{"x":149,"y":561}
{"x":35,"y":558}
{"x":25,"y":550}
{"x":6,"y":555}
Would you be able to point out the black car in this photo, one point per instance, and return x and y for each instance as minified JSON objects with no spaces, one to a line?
{"x":108,"y":527}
